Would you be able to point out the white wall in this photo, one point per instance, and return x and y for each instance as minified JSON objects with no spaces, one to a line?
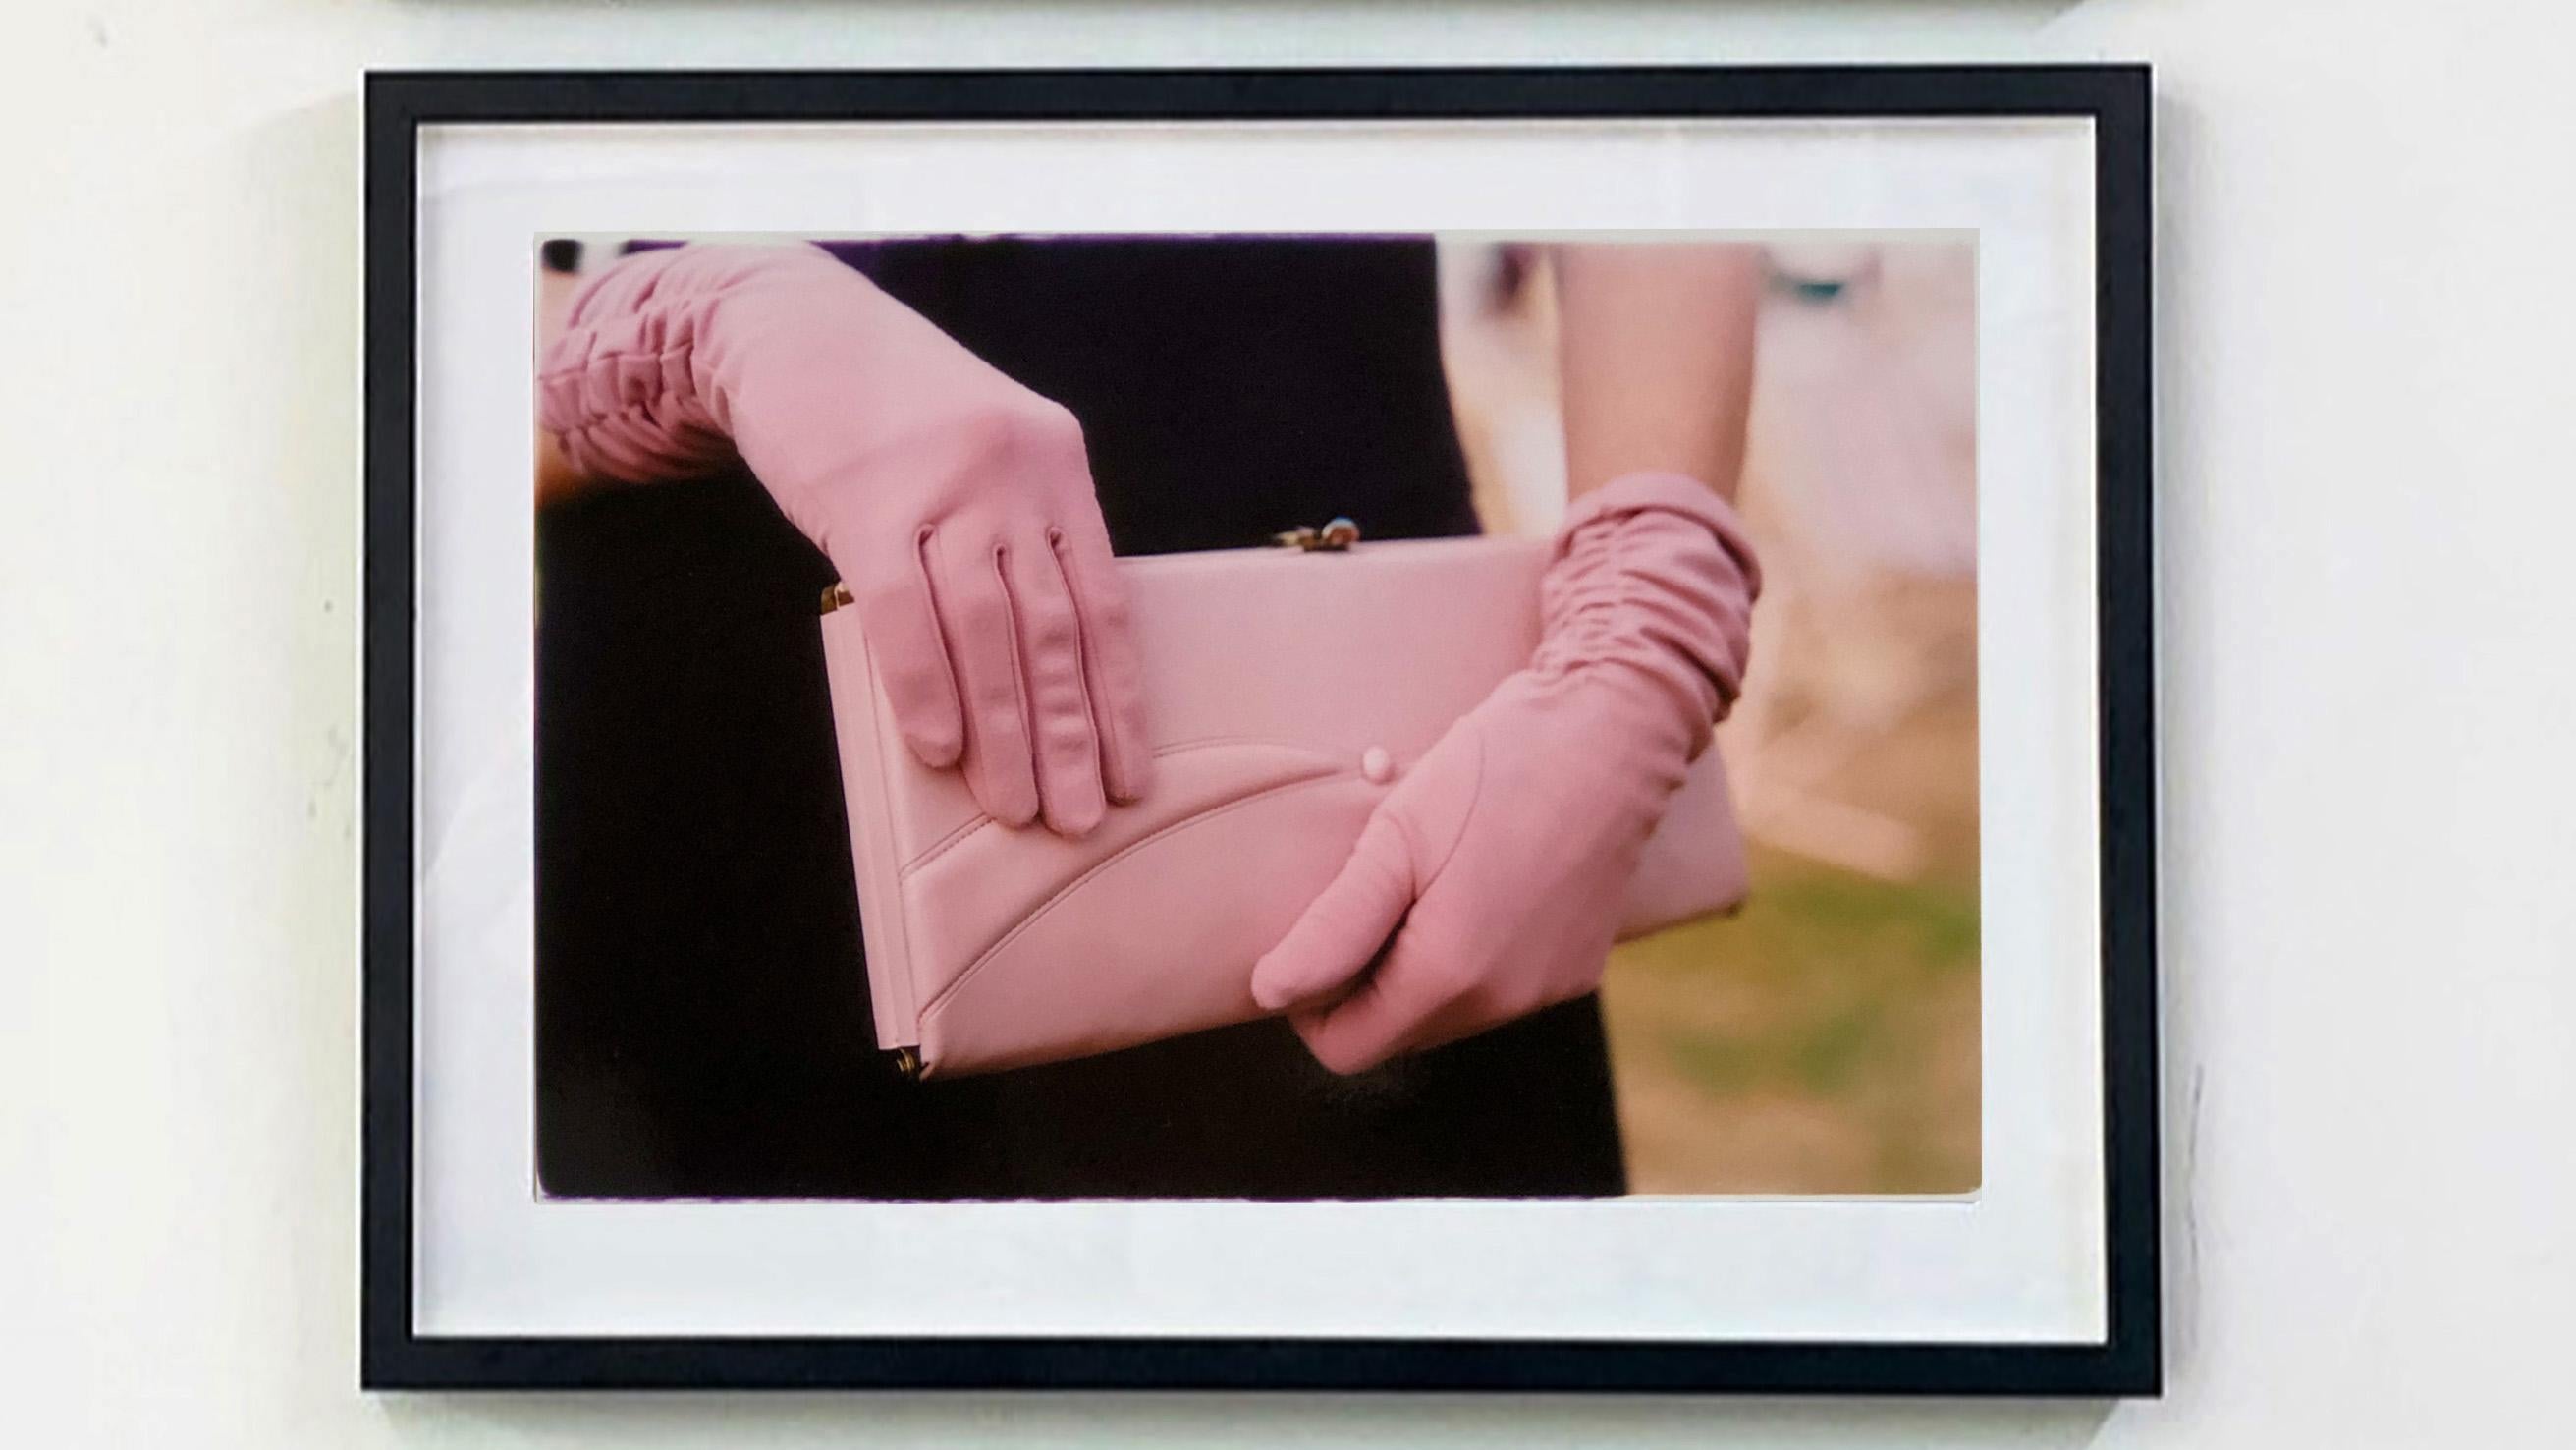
{"x":2365,"y":313}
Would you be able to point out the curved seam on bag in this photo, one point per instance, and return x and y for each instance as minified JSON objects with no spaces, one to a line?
{"x":1077,"y":883}
{"x":980,"y":820}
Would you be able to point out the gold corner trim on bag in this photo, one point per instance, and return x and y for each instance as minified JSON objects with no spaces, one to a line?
{"x":836,"y":596}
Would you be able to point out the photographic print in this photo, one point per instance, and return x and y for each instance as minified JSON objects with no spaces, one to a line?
{"x":1473,"y":729}
{"x":1066,"y":1002}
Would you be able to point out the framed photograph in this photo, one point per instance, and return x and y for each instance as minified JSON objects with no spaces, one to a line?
{"x":1408,"y":729}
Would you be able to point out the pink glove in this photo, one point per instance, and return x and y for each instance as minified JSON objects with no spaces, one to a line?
{"x":1498,"y":863}
{"x":957,"y":504}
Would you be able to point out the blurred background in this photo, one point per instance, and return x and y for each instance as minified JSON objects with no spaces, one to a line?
{"x":1824,"y":1039}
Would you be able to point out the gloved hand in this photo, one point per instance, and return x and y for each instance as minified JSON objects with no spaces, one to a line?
{"x":1499,"y":863}
{"x":957,"y":504}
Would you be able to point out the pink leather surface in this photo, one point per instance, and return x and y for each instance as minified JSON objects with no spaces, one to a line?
{"x":957,"y":502}
{"x":1269,"y":677}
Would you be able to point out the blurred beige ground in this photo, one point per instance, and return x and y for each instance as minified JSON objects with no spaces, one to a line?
{"x":1826,"y":1038}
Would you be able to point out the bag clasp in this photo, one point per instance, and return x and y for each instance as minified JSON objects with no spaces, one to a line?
{"x":1333,"y":538}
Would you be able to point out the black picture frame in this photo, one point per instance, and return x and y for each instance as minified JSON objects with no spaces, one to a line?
{"x":2114,"y":98}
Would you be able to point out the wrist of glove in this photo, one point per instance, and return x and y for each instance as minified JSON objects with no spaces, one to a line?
{"x":956,"y":504}
{"x":1488,"y":883}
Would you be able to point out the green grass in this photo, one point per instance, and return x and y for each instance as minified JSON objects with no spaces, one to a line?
{"x":1835,"y":1001}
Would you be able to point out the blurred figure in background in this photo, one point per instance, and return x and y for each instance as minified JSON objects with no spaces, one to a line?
{"x":1827,"y":1040}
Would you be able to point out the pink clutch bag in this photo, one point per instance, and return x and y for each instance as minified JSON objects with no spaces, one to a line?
{"x":1284,"y":690}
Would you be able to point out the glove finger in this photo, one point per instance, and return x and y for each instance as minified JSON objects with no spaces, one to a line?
{"x":984,"y":653}
{"x":902,"y":625}
{"x":1343,"y":928}
{"x":1386,"y":1016}
{"x":1112,"y":676}
{"x":1062,"y":735}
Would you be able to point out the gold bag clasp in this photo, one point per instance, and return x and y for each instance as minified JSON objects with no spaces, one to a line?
{"x":1333,"y":538}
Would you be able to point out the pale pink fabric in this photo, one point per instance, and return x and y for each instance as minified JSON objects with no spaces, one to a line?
{"x":957,"y":504}
{"x":1491,"y":881}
